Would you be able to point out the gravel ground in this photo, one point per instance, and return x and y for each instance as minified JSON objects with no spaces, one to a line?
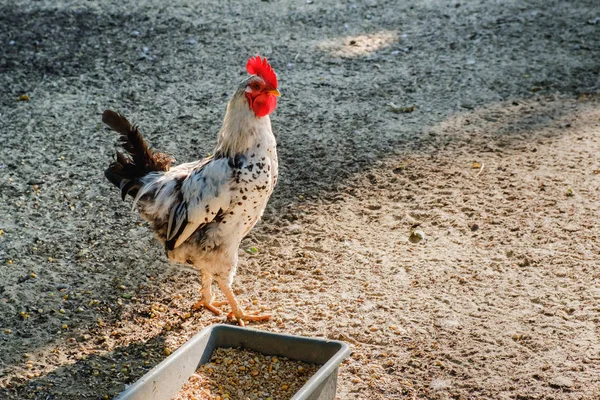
{"x":475,"y":122}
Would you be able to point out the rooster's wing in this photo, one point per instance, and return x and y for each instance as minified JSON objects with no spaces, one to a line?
{"x":204,"y":193}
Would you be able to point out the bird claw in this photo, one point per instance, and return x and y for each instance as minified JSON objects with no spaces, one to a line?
{"x":210,"y":306}
{"x":241,"y":318}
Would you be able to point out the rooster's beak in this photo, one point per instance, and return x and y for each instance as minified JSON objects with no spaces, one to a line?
{"x":274,"y":92}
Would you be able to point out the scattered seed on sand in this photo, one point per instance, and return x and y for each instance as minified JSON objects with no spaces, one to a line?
{"x":244,"y":374}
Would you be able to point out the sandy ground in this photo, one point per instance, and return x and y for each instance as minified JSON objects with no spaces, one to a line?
{"x":498,"y":164}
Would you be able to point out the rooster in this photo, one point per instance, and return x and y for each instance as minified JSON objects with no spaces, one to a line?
{"x":202,"y":210}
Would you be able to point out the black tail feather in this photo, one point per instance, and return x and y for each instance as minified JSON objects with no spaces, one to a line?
{"x":127,"y":187}
{"x":138,"y":160}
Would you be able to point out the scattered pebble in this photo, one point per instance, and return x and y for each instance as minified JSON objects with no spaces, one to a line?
{"x":400,"y":110}
{"x":416,"y":236}
{"x":294,"y":229}
{"x":561,"y":382}
{"x":439,"y":384}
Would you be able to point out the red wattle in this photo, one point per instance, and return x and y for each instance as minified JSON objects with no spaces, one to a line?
{"x":263,"y":104}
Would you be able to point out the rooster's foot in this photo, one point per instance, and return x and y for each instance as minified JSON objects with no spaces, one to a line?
{"x":211,"y":306}
{"x":241,"y":317}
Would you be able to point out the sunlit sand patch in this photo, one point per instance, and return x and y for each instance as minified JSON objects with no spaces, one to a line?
{"x":358,"y":46}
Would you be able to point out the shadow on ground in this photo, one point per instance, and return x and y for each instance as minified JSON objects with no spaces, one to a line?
{"x":93,"y":376}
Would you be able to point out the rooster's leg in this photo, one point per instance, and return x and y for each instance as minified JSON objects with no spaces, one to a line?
{"x":207,"y":296}
{"x":237,"y":312}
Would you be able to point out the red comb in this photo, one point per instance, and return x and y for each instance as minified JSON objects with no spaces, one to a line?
{"x":261,"y":67}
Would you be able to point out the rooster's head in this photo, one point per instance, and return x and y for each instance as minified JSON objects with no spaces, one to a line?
{"x":261,"y":88}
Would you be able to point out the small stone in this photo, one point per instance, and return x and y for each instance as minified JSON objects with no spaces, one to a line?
{"x":416,"y":236}
{"x":571,"y":228}
{"x":439,"y":384}
{"x":399,"y":109}
{"x":294,"y":228}
{"x":560,"y":272}
{"x":561,"y":382}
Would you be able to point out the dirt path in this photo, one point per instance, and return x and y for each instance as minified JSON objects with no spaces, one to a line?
{"x":498,"y":164}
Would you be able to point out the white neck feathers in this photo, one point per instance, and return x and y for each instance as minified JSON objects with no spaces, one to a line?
{"x":242,"y":129}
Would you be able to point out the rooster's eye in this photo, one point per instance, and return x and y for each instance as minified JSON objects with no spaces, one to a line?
{"x":255,"y":86}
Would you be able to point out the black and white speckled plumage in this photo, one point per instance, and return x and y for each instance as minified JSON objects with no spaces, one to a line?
{"x":202,"y":210}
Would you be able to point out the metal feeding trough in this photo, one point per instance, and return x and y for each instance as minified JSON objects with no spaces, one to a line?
{"x":166,"y":379}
